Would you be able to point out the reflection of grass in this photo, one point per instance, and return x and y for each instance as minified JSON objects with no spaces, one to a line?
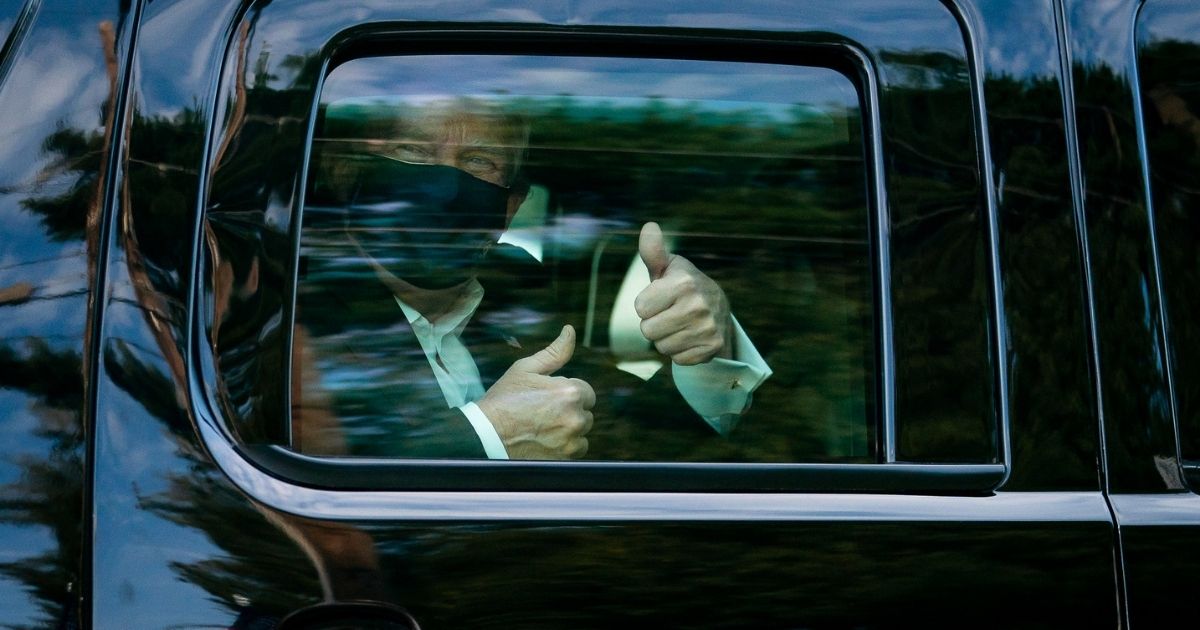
{"x":809,"y":323}
{"x":638,"y":122}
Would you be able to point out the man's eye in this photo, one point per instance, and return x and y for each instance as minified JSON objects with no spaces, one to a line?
{"x":413,"y":153}
{"x":478,"y":163}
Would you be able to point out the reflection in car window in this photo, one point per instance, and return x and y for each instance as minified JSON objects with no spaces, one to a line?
{"x":564,"y":258}
{"x":1170,"y":83}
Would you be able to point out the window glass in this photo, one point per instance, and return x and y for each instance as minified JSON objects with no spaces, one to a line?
{"x":598,"y":258}
{"x":1170,"y":86}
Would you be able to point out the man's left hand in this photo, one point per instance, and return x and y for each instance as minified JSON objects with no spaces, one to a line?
{"x":684,"y":312}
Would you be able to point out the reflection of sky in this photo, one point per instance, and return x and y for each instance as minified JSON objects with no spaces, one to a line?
{"x":20,"y":543}
{"x":60,"y":68}
{"x":1100,"y":30}
{"x":713,"y":82}
{"x":894,"y":25}
{"x":25,"y":251}
{"x":58,"y":81}
{"x":180,"y":75}
{"x":19,"y":421}
{"x":57,"y":310}
{"x":23,"y":415}
{"x":1169,"y":19}
{"x":134,"y":548}
{"x":1019,"y":39}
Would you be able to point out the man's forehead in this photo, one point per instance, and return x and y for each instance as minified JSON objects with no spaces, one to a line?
{"x":460,"y":121}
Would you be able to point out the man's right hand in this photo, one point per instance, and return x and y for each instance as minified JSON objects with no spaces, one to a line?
{"x":539,"y":416}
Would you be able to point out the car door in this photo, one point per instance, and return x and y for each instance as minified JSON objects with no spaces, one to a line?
{"x":883,"y":189}
{"x":1142,"y":218}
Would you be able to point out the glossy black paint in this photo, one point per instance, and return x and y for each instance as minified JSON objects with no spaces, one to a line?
{"x":1127,"y":321}
{"x":776,"y":576}
{"x":1161,"y":45}
{"x":175,"y":540}
{"x":1050,"y":397}
{"x":61,"y":73}
{"x":1121,"y":146}
{"x":178,"y":540}
{"x":932,"y":235}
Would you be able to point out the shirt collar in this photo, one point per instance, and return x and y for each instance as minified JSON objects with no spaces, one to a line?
{"x":454,"y":319}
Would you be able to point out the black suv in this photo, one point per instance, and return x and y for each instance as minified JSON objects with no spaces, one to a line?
{"x":591,"y":313}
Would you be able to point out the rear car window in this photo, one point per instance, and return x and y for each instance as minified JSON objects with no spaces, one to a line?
{"x":1170,"y":99}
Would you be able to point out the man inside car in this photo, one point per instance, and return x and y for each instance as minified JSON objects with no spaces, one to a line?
{"x":421,"y":205}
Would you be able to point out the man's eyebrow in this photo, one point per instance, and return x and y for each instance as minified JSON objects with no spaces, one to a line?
{"x":491,"y":148}
{"x":410,"y":131}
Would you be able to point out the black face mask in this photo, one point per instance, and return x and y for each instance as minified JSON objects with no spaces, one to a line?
{"x":430,"y":225}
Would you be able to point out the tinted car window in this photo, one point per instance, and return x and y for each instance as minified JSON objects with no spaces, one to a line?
{"x":508,"y":196}
{"x":1170,"y":93}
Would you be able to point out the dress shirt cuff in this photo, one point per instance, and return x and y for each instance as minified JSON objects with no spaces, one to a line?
{"x":720,"y":390}
{"x":493,"y":446}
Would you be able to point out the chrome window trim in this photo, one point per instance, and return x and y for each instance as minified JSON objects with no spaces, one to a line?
{"x":1147,"y":510}
{"x":425,"y":505}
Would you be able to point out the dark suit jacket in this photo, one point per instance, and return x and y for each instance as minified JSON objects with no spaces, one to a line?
{"x":366,"y":368}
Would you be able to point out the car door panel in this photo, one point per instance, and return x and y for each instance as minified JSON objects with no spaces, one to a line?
{"x":190,"y":531}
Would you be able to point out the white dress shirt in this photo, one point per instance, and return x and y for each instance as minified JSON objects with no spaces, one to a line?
{"x":452,"y":364}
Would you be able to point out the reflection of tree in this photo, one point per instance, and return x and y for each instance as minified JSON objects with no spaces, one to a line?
{"x":1127,"y":324}
{"x":258,"y":561}
{"x":778,"y":575}
{"x":80,"y":154}
{"x":50,"y":490}
{"x":722,"y":180}
{"x":161,"y":170}
{"x":944,"y":406}
{"x":1051,"y":403}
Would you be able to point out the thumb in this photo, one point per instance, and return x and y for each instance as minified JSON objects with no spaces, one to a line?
{"x":551,"y":358}
{"x":653,"y":250}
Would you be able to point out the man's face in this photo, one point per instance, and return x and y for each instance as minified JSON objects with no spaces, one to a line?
{"x":480,"y":143}
{"x":435,"y":206}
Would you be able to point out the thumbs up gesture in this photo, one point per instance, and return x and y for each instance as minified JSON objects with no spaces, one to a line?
{"x":684,"y":312}
{"x":539,"y":416}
